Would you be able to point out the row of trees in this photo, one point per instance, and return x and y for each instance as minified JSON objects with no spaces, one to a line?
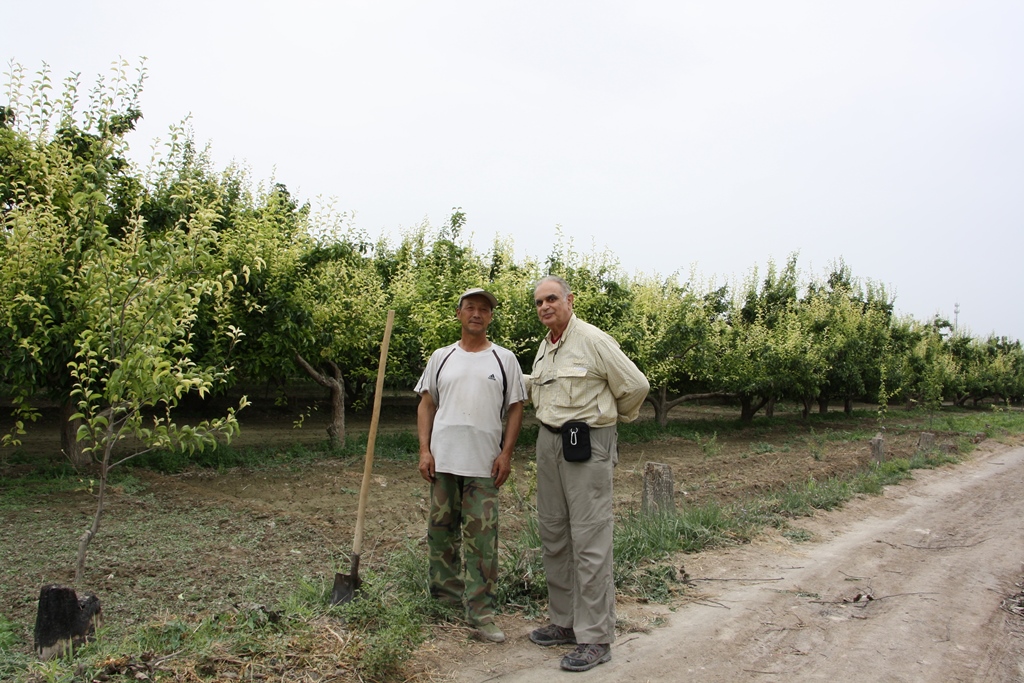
{"x":123,"y":290}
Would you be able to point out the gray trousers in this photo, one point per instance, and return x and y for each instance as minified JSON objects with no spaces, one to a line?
{"x":574,"y":514}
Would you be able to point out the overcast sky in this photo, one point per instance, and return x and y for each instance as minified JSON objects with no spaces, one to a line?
{"x":676,"y":135}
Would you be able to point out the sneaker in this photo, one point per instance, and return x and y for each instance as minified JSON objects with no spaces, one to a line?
{"x":553,"y":635}
{"x":490,"y":632}
{"x":586,"y":656}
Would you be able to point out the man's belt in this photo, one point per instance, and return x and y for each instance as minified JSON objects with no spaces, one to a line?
{"x":553,"y":430}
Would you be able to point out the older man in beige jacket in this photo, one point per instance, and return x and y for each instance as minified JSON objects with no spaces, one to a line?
{"x":582,"y":385}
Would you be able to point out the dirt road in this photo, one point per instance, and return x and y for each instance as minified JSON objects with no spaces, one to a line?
{"x":906,"y":586}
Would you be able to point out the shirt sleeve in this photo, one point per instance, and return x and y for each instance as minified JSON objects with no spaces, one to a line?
{"x":628,"y":385}
{"x":516,"y":381}
{"x":426,"y":381}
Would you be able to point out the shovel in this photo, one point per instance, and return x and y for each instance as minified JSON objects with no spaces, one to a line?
{"x":347,"y":585}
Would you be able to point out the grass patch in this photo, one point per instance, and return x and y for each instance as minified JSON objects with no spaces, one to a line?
{"x":645,"y":544}
{"x":797,"y":535}
{"x":371,"y":637}
{"x":708,"y":445}
{"x":8,"y":635}
{"x":521,"y":584}
{"x":803,"y":499}
{"x":391,"y":614}
{"x":400,"y":446}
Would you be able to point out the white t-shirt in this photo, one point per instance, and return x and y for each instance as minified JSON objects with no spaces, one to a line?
{"x":467,"y":389}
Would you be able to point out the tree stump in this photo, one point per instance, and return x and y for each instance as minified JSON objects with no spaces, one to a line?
{"x":658,"y":493}
{"x":878,"y":448}
{"x":925,"y":442}
{"x":64,"y":620}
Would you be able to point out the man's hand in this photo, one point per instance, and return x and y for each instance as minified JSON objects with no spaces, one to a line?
{"x":427,"y":466}
{"x":424,"y":425}
{"x":501,"y":468}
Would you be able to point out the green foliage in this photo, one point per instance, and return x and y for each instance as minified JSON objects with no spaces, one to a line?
{"x":602,"y":295}
{"x":8,"y":634}
{"x":521,"y":486}
{"x":797,"y":535}
{"x":304,"y":290}
{"x":667,"y":330}
{"x":644,"y":545}
{"x":812,"y":495}
{"x":851,"y":321}
{"x":639,"y":431}
{"x":709,"y":445}
{"x":881,"y":475}
{"x":427,"y":273}
{"x":139,"y":299}
{"x":401,"y":446}
{"x":98,"y":312}
{"x":640,"y":538}
{"x":62,"y":189}
{"x":390,"y":614}
{"x":521,"y":583}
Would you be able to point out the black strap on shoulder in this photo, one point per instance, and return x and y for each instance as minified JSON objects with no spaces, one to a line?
{"x":444,"y":360}
{"x":504,"y":393}
{"x":437,"y":376}
{"x":504,"y":378}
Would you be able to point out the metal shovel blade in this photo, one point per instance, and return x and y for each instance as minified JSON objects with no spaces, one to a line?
{"x":346,"y":586}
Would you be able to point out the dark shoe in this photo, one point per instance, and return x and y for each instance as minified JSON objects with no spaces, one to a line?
{"x":586,"y":657}
{"x":553,"y":635}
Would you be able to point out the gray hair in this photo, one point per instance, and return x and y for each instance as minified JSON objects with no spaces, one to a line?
{"x":566,"y":291}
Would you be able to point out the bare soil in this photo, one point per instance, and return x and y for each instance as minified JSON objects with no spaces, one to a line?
{"x":901,"y":587}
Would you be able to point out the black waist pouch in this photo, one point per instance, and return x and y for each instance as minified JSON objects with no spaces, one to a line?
{"x":576,"y":441}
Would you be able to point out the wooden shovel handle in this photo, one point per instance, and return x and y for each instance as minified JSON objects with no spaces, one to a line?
{"x":371,"y":439}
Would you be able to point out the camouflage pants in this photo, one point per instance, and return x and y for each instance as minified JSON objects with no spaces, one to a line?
{"x":464,"y":522}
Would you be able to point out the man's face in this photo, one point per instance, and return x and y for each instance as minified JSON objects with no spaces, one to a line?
{"x":553,"y":307}
{"x":475,"y":314}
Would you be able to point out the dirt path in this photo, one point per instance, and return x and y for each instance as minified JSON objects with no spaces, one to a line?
{"x":938,"y":555}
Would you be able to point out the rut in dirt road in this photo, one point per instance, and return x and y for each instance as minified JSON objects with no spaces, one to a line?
{"x":906,"y":586}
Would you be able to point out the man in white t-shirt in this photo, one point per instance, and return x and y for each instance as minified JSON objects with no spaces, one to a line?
{"x":466,"y":390}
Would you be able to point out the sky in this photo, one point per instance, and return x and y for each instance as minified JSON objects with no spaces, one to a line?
{"x":704,"y":138}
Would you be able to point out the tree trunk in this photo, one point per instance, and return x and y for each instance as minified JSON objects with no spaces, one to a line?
{"x":878,"y":448}
{"x":336,"y":430}
{"x":64,"y":620}
{"x":823,"y":404}
{"x":658,"y":490}
{"x":662,"y":403}
{"x":769,"y":410}
{"x":848,"y":405}
{"x":336,"y":385}
{"x":806,"y":401}
{"x":659,"y":399}
{"x":86,"y":538}
{"x":69,"y":443}
{"x":748,"y":409}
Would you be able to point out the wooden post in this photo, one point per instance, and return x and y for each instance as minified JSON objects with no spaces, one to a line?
{"x":878,"y":448}
{"x":64,"y":620}
{"x":925,"y":442}
{"x":659,"y":493}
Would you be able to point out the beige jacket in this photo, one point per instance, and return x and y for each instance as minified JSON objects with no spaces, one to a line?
{"x":585,"y":376}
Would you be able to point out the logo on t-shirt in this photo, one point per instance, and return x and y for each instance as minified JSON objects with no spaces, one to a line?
{"x":493,"y":377}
